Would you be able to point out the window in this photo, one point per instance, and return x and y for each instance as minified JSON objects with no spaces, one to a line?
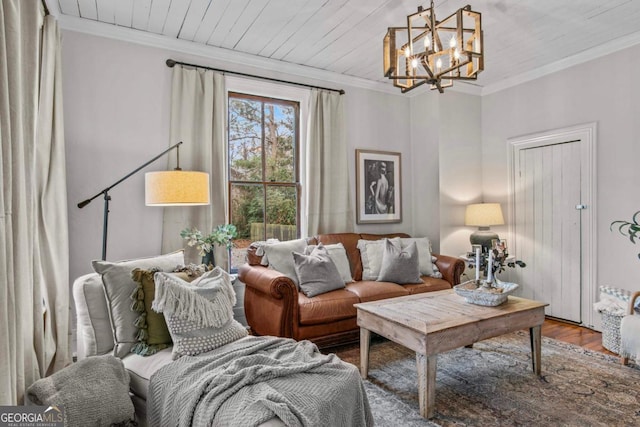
{"x":264,"y":202}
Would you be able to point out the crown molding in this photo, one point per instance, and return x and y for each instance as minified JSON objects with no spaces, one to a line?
{"x":116,"y":32}
{"x":243,"y":60}
{"x":580,"y":58}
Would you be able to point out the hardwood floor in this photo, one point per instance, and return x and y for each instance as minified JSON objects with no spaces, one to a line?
{"x":574,"y":334}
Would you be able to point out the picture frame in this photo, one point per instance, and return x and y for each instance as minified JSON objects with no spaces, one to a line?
{"x":378,"y":187}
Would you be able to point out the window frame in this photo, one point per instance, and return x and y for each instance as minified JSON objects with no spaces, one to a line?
{"x":264,"y":184}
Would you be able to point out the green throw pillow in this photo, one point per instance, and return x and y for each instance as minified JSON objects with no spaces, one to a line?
{"x":153,"y":333}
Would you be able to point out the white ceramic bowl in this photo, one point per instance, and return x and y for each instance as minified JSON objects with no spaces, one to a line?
{"x":479,"y":296}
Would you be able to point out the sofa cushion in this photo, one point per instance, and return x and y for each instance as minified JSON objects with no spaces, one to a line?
{"x":317,"y":273}
{"x":399,"y":265}
{"x":94,"y":334}
{"x":373,"y":291}
{"x":430,"y":284}
{"x":118,"y":287}
{"x":141,"y":368}
{"x":325,"y":308}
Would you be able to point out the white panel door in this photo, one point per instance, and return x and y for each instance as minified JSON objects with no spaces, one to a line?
{"x":547,"y":226}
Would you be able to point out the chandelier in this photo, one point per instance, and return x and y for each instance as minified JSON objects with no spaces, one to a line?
{"x":432,"y":51}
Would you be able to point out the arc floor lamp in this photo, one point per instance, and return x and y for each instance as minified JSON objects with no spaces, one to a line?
{"x":166,"y":188}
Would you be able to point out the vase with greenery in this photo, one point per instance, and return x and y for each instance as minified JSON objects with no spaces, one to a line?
{"x":222,"y":235}
{"x":500,"y":261}
{"x":629,"y":229}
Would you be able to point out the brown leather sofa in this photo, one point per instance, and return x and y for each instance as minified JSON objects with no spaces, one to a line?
{"x":274,"y":306}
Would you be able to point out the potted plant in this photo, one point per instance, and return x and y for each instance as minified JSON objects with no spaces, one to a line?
{"x":222,"y":235}
{"x":630,"y":229}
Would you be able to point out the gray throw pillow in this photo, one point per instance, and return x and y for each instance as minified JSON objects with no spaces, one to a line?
{"x":338,"y":255}
{"x":371,"y":256}
{"x":424,"y":253}
{"x":119,"y":287}
{"x":317,"y":273}
{"x":400,"y":265}
{"x":94,"y":392}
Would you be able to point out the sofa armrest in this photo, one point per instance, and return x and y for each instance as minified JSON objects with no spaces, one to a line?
{"x":632,"y":301}
{"x":270,"y":300}
{"x":450,"y":267}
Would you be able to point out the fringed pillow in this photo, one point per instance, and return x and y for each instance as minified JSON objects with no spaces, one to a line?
{"x":153,"y":333}
{"x":199,"y":314}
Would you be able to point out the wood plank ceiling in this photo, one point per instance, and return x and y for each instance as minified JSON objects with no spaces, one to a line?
{"x":345,"y":36}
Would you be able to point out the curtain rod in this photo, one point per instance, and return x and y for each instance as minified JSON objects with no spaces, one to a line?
{"x":171,"y":63}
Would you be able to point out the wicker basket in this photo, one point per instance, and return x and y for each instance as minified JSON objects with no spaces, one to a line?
{"x":611,"y":330}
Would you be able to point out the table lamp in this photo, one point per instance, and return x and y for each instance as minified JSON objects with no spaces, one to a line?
{"x":483,"y":215}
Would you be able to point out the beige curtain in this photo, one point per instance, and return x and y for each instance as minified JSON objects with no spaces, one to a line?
{"x":34,"y":253}
{"x":198,"y":116}
{"x":329,"y":197}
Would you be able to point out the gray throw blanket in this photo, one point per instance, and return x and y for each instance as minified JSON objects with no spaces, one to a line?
{"x":254,"y":379}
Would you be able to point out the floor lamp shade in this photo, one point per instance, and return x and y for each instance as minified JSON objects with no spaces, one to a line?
{"x":176,"y":188}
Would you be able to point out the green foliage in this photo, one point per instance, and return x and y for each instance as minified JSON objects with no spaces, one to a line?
{"x":629,"y":229}
{"x":222,"y":235}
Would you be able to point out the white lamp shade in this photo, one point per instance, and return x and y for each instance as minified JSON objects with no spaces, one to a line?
{"x":176,"y":188}
{"x":483,"y":215}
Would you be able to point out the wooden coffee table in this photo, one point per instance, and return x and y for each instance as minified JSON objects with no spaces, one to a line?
{"x":435,"y":322}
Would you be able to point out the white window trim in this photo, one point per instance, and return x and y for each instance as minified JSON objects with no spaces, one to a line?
{"x":290,"y":93}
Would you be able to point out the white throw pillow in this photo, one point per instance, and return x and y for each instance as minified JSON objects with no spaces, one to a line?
{"x":199,"y":314}
{"x":338,"y":255}
{"x":280,"y":256}
{"x":118,"y":287}
{"x":371,"y":255}
{"x":436,"y":272}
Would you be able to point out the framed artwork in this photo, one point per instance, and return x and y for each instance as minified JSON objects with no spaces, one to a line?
{"x":378,"y":187}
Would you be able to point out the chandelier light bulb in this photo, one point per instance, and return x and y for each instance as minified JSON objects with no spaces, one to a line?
{"x":427,"y":50}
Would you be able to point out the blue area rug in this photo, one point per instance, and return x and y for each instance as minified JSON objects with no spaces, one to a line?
{"x":492,"y":384}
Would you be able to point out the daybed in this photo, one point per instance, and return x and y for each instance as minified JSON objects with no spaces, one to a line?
{"x":274,"y":305}
{"x":98,"y":333}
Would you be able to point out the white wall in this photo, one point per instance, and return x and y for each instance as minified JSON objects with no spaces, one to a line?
{"x":116,"y":100}
{"x":425,"y":161}
{"x":603,"y":91}
{"x":380,"y":121}
{"x":446,"y":136}
{"x":460,"y":168}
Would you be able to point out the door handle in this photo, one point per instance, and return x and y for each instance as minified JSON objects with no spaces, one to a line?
{"x":581,"y":207}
